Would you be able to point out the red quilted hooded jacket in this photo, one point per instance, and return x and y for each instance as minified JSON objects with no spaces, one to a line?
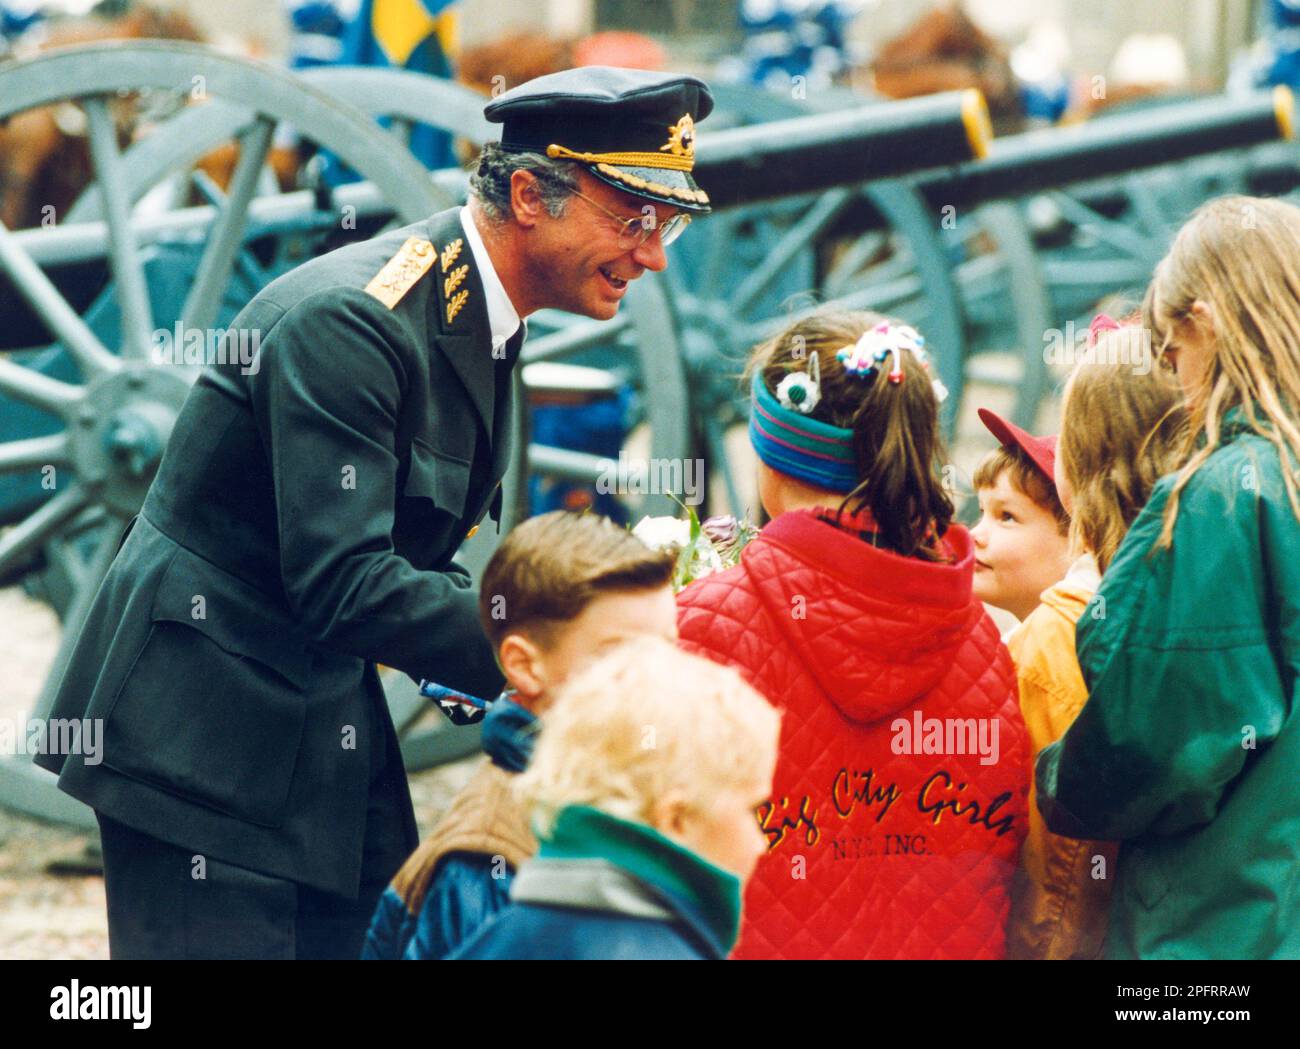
{"x":901,"y":790}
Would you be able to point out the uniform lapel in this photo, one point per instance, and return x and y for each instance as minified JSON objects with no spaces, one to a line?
{"x":461,"y":319}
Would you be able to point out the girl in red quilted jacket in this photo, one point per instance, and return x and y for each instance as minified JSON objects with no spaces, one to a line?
{"x":900,"y":798}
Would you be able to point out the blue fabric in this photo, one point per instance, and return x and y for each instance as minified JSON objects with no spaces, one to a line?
{"x":464,"y":892}
{"x":528,"y":931}
{"x":704,"y":900}
{"x":509,"y":734}
{"x":463,"y":896}
{"x":390,"y":929}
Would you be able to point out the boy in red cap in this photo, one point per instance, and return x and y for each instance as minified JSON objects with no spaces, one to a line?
{"x":1022,"y":539}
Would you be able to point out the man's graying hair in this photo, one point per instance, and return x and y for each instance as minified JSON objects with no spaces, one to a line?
{"x":490,"y":180}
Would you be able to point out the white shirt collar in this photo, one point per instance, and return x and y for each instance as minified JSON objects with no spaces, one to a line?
{"x":503,"y":318}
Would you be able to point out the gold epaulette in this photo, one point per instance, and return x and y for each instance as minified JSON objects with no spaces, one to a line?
{"x":400,"y":273}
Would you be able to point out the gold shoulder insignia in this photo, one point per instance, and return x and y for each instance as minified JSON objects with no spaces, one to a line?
{"x":455,"y":303}
{"x":450,"y":253}
{"x":402,"y":271}
{"x":453,"y":279}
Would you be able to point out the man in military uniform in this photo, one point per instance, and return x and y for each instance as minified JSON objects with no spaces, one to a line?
{"x":301,"y":529}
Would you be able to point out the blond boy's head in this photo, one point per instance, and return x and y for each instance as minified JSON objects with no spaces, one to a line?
{"x":562,"y":588}
{"x":654,"y":735}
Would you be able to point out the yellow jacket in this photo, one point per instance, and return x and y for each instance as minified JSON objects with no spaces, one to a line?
{"x":1060,"y":899}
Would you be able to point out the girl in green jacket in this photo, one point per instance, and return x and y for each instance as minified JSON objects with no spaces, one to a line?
{"x":1188,"y":745}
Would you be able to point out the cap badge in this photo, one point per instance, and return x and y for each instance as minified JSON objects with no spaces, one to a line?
{"x":681,"y":137}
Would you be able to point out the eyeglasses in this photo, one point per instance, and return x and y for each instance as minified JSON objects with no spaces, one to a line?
{"x":635,"y":231}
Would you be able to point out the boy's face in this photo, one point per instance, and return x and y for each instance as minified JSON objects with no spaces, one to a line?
{"x":608,"y":620}
{"x":1019,"y":549}
{"x":727,"y":833}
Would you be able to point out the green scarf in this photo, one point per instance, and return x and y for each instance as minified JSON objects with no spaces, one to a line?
{"x":708,"y":894}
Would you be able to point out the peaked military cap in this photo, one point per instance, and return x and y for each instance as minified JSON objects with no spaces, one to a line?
{"x":631,"y":128}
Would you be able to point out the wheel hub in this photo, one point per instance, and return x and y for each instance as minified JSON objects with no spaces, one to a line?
{"x":121,"y":429}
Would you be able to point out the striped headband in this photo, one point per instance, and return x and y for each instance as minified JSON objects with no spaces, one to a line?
{"x":793,"y":444}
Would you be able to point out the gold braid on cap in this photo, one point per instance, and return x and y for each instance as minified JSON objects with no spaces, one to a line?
{"x":637,"y":160}
{"x":636,"y":182}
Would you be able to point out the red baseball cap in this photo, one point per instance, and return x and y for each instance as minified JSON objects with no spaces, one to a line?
{"x":1042,"y":450}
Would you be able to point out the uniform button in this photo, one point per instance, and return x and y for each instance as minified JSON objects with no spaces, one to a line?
{"x":470,"y":533}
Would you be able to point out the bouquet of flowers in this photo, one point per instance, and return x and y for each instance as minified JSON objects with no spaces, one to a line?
{"x":702,"y":547}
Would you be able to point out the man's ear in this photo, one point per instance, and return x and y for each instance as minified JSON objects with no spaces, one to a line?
{"x":521,"y":663}
{"x":525,"y":198}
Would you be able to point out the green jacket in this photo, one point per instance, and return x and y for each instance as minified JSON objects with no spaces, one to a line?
{"x":1188,"y":749}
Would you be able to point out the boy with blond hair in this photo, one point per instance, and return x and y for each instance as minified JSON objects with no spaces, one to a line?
{"x":561,"y":589}
{"x":645,"y":798}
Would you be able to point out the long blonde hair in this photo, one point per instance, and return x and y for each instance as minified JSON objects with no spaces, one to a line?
{"x":1241,"y":257}
{"x":1121,"y":425}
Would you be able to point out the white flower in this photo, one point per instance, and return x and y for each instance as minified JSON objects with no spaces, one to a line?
{"x":799,"y":392}
{"x":663,"y":533}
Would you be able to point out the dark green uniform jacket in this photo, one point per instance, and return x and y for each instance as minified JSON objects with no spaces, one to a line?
{"x":300,"y":530}
{"x":1188,"y":748}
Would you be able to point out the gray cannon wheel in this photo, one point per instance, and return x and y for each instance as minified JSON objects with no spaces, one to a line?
{"x":116,"y":421}
{"x":404,"y":97}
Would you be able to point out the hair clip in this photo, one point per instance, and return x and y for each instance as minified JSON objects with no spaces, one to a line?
{"x":1100,"y":323}
{"x":801,"y":391}
{"x":864,"y":357}
{"x":896,"y":373}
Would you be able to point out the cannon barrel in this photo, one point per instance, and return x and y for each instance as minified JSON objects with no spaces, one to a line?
{"x":1091,"y":154}
{"x":1039,"y":160}
{"x":805,"y":154}
{"x":797,"y":161}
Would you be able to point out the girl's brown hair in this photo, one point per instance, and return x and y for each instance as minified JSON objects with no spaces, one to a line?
{"x":1120,"y":428}
{"x":896,"y":438}
{"x":1241,"y":257}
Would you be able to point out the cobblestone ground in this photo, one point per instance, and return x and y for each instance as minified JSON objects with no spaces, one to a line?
{"x":51,"y":895}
